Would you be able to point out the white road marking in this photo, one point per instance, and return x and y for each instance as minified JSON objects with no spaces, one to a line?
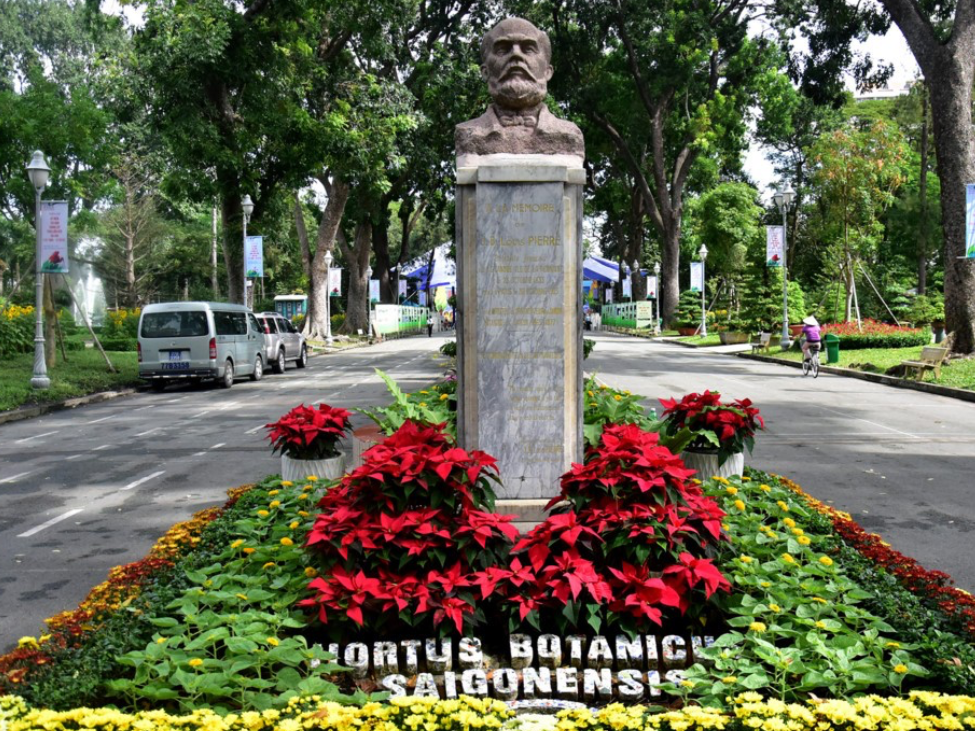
{"x":217,"y":446}
{"x":255,"y":429}
{"x":145,"y":433}
{"x":48,"y":524}
{"x":143,"y":408}
{"x":73,"y":456}
{"x":175,"y":400}
{"x":99,"y":449}
{"x":132,"y":485}
{"x":104,"y":418}
{"x":12,"y":478}
{"x":36,"y":436}
{"x":202,"y":413}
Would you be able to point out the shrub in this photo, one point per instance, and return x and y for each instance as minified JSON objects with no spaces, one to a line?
{"x":688,"y":312}
{"x":16,"y":330}
{"x":433,"y":405}
{"x":121,"y":344}
{"x":588,"y":344}
{"x":299,"y":322}
{"x":121,"y":323}
{"x":877,"y":335}
{"x":449,"y":348}
{"x":404,"y":540}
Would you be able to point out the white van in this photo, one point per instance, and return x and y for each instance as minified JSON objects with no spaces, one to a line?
{"x":195,"y":341}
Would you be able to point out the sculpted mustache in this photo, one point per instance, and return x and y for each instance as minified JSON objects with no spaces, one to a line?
{"x":510,"y":71}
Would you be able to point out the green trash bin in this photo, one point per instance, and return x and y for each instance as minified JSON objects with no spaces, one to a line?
{"x":832,"y":348}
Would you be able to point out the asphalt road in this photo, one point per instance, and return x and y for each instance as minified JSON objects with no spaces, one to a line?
{"x":901,"y":462}
{"x":90,"y":488}
{"x":84,"y":490}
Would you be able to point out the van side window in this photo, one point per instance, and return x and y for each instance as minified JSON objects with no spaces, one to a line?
{"x":240,"y":323}
{"x":224,"y":323}
{"x":255,"y":325}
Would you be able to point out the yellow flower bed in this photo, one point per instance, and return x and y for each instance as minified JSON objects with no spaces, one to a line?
{"x":921,"y":710}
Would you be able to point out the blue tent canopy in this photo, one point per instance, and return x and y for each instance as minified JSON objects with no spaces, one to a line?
{"x":600,"y":270}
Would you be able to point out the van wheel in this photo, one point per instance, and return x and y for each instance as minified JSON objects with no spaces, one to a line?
{"x":258,"y":369}
{"x":158,"y":386}
{"x":279,"y":364}
{"x":303,"y":358}
{"x":228,"y":374}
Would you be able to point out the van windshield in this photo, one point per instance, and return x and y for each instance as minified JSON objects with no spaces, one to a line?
{"x":174,"y":324}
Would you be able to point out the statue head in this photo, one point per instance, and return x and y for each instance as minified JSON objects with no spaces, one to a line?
{"x":516,"y":62}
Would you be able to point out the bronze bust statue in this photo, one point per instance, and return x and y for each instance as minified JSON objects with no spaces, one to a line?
{"x":516,"y":62}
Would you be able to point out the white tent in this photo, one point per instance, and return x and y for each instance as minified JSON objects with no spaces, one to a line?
{"x":444,"y":268}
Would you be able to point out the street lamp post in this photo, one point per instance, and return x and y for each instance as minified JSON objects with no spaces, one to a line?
{"x":636,"y":275}
{"x":656,"y":297}
{"x":328,"y":298}
{"x":783,"y":200}
{"x":247,"y":206}
{"x":38,"y":172}
{"x":703,"y":253}
{"x":368,"y":303}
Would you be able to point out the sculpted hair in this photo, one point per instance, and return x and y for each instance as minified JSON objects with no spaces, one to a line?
{"x":515,"y":24}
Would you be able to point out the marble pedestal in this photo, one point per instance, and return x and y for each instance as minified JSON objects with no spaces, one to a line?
{"x":519,"y":297}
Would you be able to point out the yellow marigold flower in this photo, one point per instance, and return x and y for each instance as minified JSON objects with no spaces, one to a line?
{"x":275,"y":504}
{"x":746,"y":479}
{"x":263,"y":513}
{"x":765,"y":584}
{"x":423,"y":404}
{"x":740,"y":504}
{"x":765,"y":488}
{"x":617,"y":397}
{"x":311,"y":478}
{"x":745,"y":559}
{"x":804,"y":540}
{"x":269,"y":565}
{"x":603,"y":388}
{"x":242,"y":597}
{"x":303,"y":496}
{"x":798,"y":532}
{"x":782,"y":504}
{"x":272,"y":493}
{"x":695,"y":481}
{"x":775,"y":607}
{"x":787,"y":558}
{"x":893,"y":645}
{"x":757,"y":627}
{"x":287,"y":541}
{"x":273,"y":641}
{"x":900,"y":668}
{"x":731,"y":490}
{"x":819,"y":599}
{"x":425,"y":393}
{"x":729,"y":680}
{"x":161,"y":641}
{"x":687,"y":683}
{"x":444,"y":396}
{"x":591,"y":394}
{"x":195,"y":662}
{"x":293,"y":524}
{"x":27,"y":642}
{"x":249,"y":550}
{"x":789,"y":522}
{"x":726,"y":526}
{"x":825,"y":560}
{"x":287,"y":483}
{"x":310,"y":572}
{"x":820,"y":624}
{"x":303,"y":513}
{"x":238,"y":543}
{"x":308,"y":488}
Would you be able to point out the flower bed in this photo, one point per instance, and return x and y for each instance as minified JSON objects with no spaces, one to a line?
{"x":873,"y":334}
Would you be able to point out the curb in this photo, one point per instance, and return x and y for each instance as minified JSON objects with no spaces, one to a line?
{"x":29,"y":412}
{"x":955,"y":393}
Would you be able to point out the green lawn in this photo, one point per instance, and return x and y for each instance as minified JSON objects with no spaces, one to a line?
{"x":702,"y":341}
{"x":958,"y":374}
{"x":84,"y":373}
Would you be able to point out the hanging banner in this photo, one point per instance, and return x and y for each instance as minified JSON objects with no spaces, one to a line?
{"x":54,"y":237}
{"x":609,"y":294}
{"x":254,"y":256}
{"x":652,"y":287}
{"x":422,"y":298}
{"x":970,"y":221}
{"x":628,"y":287}
{"x":773,"y":246}
{"x":697,"y":276}
{"x":373,"y":290}
{"x":335,"y":282}
{"x":402,"y":288}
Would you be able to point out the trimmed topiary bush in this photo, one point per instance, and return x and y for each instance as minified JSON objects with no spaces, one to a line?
{"x":873,"y":334}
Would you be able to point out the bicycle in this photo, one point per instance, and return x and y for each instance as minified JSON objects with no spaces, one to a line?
{"x":811,"y":364}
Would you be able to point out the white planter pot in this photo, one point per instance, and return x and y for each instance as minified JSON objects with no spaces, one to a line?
{"x":296,"y":470}
{"x":705,"y":461}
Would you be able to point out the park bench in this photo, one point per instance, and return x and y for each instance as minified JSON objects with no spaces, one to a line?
{"x":931,"y":359}
{"x":762,"y":342}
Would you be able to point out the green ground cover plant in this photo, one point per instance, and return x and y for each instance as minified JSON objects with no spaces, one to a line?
{"x":701,"y":341}
{"x":85,"y":372}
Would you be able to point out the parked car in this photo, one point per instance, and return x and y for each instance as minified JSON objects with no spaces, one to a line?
{"x":283,"y":341}
{"x":196,"y":341}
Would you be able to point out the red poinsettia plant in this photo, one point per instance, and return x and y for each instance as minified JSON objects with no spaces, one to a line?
{"x":307,"y":432}
{"x":627,"y":546}
{"x":728,"y":427}
{"x":403,"y":540}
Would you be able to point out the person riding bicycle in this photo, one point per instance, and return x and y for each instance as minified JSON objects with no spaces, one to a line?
{"x":811,"y":337}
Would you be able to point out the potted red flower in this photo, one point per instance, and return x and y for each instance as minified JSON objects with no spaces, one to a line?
{"x":308,"y":440}
{"x":721,"y":431}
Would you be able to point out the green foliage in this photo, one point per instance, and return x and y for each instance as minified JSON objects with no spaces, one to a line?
{"x":120,"y":344}
{"x":925,"y":309}
{"x":16,"y":330}
{"x":689,"y":309}
{"x":861,"y":341}
{"x":433,"y":405}
{"x":449,"y":348}
{"x":727,"y":218}
{"x":588,"y":344}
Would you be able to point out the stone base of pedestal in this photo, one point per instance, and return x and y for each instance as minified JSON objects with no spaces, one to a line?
{"x":362,"y":439}
{"x":529,"y":512}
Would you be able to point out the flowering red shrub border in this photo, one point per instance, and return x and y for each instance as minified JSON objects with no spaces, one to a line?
{"x":309,"y":433}
{"x":934,"y":585}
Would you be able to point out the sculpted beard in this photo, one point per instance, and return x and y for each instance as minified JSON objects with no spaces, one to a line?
{"x":518,"y":91}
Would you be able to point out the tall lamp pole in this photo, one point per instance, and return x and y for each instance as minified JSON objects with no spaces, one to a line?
{"x":247,"y":206}
{"x":656,"y":296}
{"x":783,"y":200}
{"x":328,"y":298}
{"x":635,"y":277}
{"x":38,"y":172}
{"x":368,"y":303}
{"x":703,"y":253}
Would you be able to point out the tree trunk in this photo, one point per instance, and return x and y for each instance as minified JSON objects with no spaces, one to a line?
{"x":214,"y":281}
{"x":922,"y":187}
{"x":668,"y":288}
{"x":357,"y":260}
{"x":380,"y":247}
{"x":316,"y":318}
{"x":233,"y":240}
